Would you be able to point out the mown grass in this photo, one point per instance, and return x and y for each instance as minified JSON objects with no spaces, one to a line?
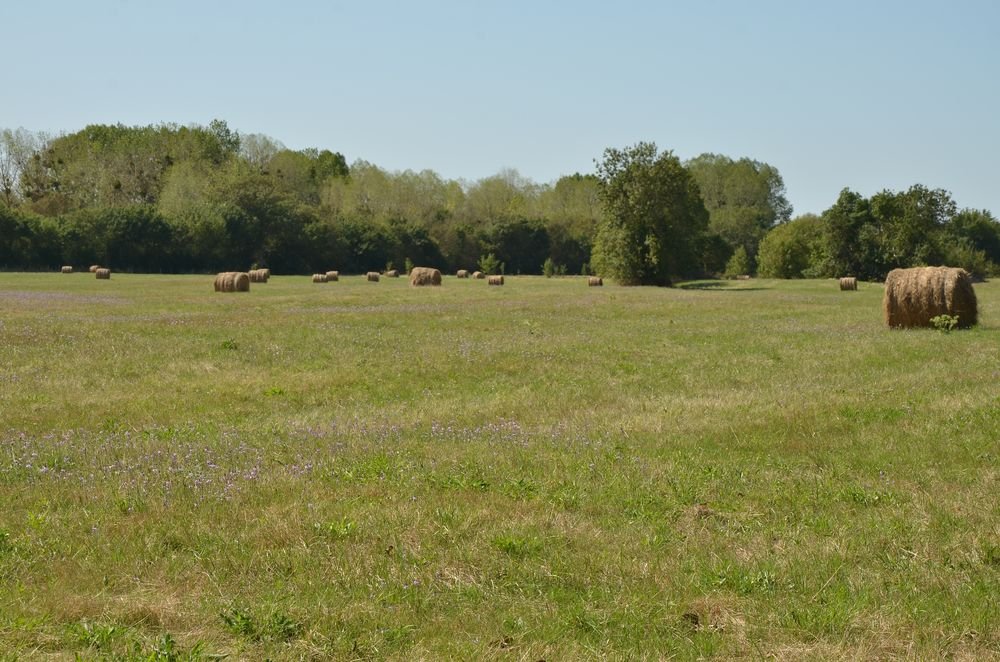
{"x":545,"y":470}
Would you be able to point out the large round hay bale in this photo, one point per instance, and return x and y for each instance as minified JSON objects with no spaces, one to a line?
{"x":372,"y":276}
{"x":420,"y":276}
{"x":332,"y":276}
{"x":66,"y":270}
{"x":848,"y":283}
{"x":478,"y":275}
{"x":595,"y":281}
{"x":914,"y":296}
{"x":319,"y":278}
{"x":103,"y":274}
{"x":231,"y":281}
{"x":462,"y":273}
{"x":494,"y":280}
{"x":392,"y":273}
{"x":94,"y":268}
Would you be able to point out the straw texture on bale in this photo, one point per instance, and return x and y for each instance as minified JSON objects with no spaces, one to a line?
{"x":372,"y":276}
{"x":231,"y":281}
{"x":319,"y":278}
{"x":495,"y":280}
{"x":595,"y":281}
{"x":420,"y":276}
{"x":67,"y":270}
{"x":392,"y":273}
{"x":103,"y":274}
{"x":848,"y":283}
{"x":914,"y":296}
{"x":94,"y":268}
{"x":462,"y":273}
{"x":478,"y":275}
{"x":332,"y":276}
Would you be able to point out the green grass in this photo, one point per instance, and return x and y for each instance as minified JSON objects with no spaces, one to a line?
{"x":544,"y":470}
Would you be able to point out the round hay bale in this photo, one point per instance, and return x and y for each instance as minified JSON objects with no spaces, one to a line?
{"x":103,"y":274}
{"x":259,"y":275}
{"x":231,"y":281}
{"x":319,"y":278}
{"x":478,"y":275}
{"x":392,"y":273}
{"x":372,"y":276}
{"x":332,"y":276}
{"x":595,"y":281}
{"x":462,"y":273}
{"x":66,"y":270}
{"x":94,"y":268}
{"x":494,"y":280}
{"x":848,"y":283}
{"x":914,"y":296}
{"x":421,"y":276}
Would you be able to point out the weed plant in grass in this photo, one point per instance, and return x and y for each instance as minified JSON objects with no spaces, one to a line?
{"x":543,"y":470}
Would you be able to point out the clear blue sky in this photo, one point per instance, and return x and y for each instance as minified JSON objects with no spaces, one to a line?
{"x":868,"y":95}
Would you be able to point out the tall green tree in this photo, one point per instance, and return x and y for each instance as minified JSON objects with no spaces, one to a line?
{"x":793,"y":249}
{"x":744,"y":198}
{"x":654,"y":217}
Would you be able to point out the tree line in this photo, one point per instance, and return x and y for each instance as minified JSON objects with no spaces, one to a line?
{"x":170,"y":198}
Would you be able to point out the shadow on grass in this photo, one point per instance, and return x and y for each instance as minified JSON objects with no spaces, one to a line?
{"x":718,"y":285}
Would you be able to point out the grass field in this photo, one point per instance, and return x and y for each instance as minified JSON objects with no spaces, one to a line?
{"x":538,"y":471}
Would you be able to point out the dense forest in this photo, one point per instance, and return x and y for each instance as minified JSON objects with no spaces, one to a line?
{"x":170,"y":198}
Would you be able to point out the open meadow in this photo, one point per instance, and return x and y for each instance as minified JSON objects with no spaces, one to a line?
{"x":542,"y":470}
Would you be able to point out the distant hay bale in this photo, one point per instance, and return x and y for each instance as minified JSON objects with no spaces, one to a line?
{"x":494,"y":280}
{"x":230,"y":281}
{"x":94,"y":268}
{"x":372,"y":276}
{"x":259,"y":275}
{"x":848,"y":283}
{"x":103,"y":274}
{"x":67,"y":270}
{"x":332,"y":276}
{"x":462,"y":273}
{"x":914,"y":296}
{"x":392,"y":273}
{"x":319,"y":278}
{"x":595,"y":281}
{"x":420,"y":276}
{"x":478,"y":275}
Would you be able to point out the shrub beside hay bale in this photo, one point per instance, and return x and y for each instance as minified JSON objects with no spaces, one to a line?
{"x":914,"y":296}
{"x":67,"y":270}
{"x":94,"y":268}
{"x":462,"y":273}
{"x":595,"y":281}
{"x":372,"y":276}
{"x":478,"y":275}
{"x":230,"y":281}
{"x":848,"y":283}
{"x":332,"y":276}
{"x":494,"y":280}
{"x":319,"y":278}
{"x":420,"y":276}
{"x":103,"y":274}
